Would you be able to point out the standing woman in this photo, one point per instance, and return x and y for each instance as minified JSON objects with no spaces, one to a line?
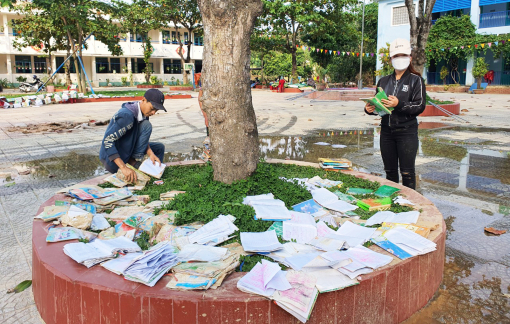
{"x":281,"y":84}
{"x":405,"y":89}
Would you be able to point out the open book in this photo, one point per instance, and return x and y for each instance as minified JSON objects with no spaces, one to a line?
{"x":154,"y":170}
{"x":376,"y":101}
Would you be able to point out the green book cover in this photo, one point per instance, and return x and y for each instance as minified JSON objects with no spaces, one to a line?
{"x":375,"y":204}
{"x":386,"y":191}
{"x":376,"y":101}
{"x":359,"y":191}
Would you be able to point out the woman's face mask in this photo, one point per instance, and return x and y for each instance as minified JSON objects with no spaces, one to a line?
{"x":401,"y":63}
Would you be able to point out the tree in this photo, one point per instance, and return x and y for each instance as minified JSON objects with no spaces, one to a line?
{"x":39,"y":29}
{"x":287,"y":18}
{"x":421,"y":22}
{"x":81,"y":18}
{"x":479,"y":70}
{"x":186,"y":14}
{"x":226,"y":98}
{"x":262,"y":46}
{"x":139,"y":17}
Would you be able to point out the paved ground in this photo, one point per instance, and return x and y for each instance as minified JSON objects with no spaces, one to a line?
{"x":463,"y":168}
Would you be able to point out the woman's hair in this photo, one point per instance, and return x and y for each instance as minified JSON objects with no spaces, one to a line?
{"x":413,"y":70}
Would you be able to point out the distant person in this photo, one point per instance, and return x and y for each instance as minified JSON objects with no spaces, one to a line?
{"x":281,"y":84}
{"x":399,"y":131}
{"x":126,"y":139}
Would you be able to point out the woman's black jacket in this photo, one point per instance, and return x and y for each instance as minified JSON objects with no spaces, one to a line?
{"x":410,"y":91}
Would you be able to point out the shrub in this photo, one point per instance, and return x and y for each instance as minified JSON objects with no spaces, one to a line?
{"x":479,"y":70}
{"x":124,"y":81}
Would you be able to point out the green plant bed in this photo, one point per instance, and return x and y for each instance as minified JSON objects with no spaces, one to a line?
{"x":438,"y":102}
{"x":205,"y":198}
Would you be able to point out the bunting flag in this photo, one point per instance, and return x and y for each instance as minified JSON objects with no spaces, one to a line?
{"x":348,"y":53}
{"x":489,"y":44}
{"x":322,"y":50}
{"x":317,"y":50}
{"x":476,"y":45}
{"x":496,"y":43}
{"x":483,"y":45}
{"x":462,"y":47}
{"x":326,"y":51}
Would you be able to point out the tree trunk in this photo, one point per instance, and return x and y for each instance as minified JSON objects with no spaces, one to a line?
{"x":294,"y":64}
{"x":226,"y":99}
{"x":420,"y":28}
{"x":67,"y":67}
{"x":479,"y":83}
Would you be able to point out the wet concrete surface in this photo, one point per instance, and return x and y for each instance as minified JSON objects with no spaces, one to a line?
{"x":465,"y":171}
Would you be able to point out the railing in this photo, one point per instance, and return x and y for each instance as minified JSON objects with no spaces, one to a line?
{"x":23,"y":67}
{"x":118,"y":67}
{"x":40,"y":67}
{"x":495,"y":19}
{"x":435,"y":78}
{"x":172,"y":68}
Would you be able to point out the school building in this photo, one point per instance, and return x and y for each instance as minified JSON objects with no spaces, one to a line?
{"x":489,"y":17}
{"x":101,"y":67}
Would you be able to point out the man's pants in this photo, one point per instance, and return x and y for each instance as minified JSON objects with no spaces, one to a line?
{"x":399,"y":146}
{"x":145,"y":131}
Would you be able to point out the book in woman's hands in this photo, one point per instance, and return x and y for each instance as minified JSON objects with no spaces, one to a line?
{"x":154,"y":170}
{"x":376,"y":101}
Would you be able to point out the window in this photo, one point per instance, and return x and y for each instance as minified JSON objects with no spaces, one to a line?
{"x":400,"y":16}
{"x":115,"y":65}
{"x":102,"y":65}
{"x":39,"y":64}
{"x":174,"y":38}
{"x":172,"y":66}
{"x":138,"y":65}
{"x":23,"y":64}
{"x":198,"y":40}
{"x":166,"y":37}
{"x":186,"y":38}
{"x":60,"y":60}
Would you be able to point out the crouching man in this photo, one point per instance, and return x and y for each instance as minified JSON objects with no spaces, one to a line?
{"x":126,"y":139}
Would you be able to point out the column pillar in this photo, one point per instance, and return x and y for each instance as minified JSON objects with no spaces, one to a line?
{"x":475,"y":13}
{"x":10,"y":76}
{"x":93,"y":76}
{"x":469,"y":69}
{"x":162,"y":69}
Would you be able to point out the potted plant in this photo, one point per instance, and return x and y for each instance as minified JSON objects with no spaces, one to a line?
{"x":479,"y":70}
{"x":124,"y":80}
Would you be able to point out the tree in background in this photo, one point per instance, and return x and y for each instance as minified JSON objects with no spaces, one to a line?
{"x":79,"y":19}
{"x":185,"y":13}
{"x":479,"y":70}
{"x":39,"y":29}
{"x":140,"y":17}
{"x":226,"y":99}
{"x":384,"y":57}
{"x":286,"y":19}
{"x":447,"y":39}
{"x":262,"y":48}
{"x":421,"y":22}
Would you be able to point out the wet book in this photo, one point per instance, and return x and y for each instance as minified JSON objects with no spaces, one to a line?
{"x":377,"y":103}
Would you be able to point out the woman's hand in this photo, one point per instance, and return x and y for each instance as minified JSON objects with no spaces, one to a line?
{"x":370,"y":108}
{"x":391,"y":102}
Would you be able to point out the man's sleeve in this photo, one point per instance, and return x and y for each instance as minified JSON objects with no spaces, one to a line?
{"x":418,"y":100}
{"x":118,"y":127}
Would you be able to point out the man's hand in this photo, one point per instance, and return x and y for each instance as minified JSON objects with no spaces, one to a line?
{"x":369,"y":108}
{"x":129,"y":174}
{"x":391,"y":102}
{"x":154,"y":158}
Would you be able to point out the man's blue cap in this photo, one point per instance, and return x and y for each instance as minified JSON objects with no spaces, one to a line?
{"x":156,"y":98}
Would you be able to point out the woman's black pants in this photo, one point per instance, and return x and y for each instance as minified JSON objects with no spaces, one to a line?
{"x":399,"y":147}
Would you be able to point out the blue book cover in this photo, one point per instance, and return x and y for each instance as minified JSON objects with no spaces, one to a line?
{"x":308,"y":206}
{"x":392,"y":248}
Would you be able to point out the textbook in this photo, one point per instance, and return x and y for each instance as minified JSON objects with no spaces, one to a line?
{"x":375,"y":204}
{"x":154,"y":170}
{"x":337,"y":164}
{"x":376,"y":101}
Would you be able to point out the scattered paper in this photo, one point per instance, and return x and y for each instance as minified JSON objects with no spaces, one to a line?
{"x":301,"y":228}
{"x":260,"y":241}
{"x":329,"y":200}
{"x":196,"y":252}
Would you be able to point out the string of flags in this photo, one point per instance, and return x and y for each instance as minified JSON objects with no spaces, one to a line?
{"x":349,"y":132}
{"x":332,"y":52}
{"x":476,"y":46}
{"x":357,"y":54}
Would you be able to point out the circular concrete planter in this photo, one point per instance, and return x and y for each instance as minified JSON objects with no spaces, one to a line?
{"x":67,"y":292}
{"x":149,"y":86}
{"x":181,"y":88}
{"x":433,"y":111}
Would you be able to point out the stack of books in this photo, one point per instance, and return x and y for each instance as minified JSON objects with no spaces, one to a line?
{"x":335,"y":164}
